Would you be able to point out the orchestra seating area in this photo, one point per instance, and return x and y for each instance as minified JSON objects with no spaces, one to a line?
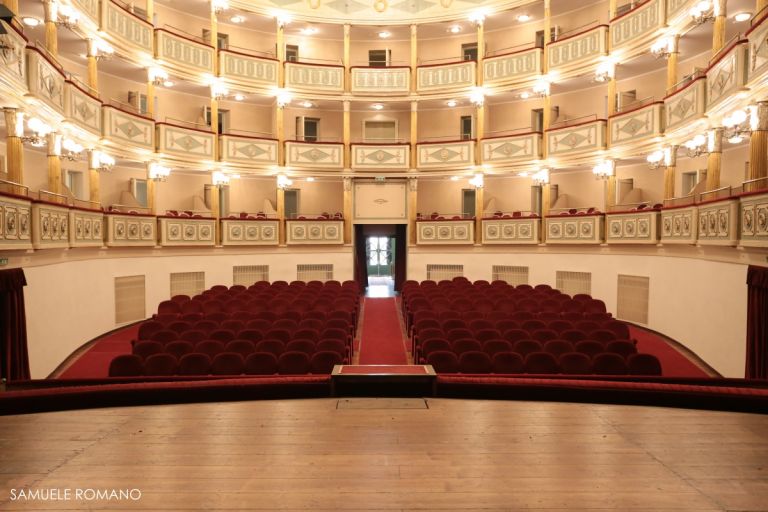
{"x":265,"y":329}
{"x":481,"y":327}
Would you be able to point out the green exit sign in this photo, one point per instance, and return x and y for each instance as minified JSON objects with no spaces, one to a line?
{"x":3,"y":261}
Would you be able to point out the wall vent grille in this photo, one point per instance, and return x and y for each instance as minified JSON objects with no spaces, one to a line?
{"x":130,"y":299}
{"x":246,"y":275}
{"x":314,"y":272}
{"x":187,"y":283}
{"x":512,"y":275}
{"x":444,"y":272}
{"x":574,"y":282}
{"x":632,"y":298}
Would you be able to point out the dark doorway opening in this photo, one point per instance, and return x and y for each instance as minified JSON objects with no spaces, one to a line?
{"x":380,"y":259}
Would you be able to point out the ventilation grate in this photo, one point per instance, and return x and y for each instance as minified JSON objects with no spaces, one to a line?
{"x":187,"y":283}
{"x":574,"y":282}
{"x":512,"y":275}
{"x":444,"y":272}
{"x":246,"y":275}
{"x":130,"y":302}
{"x":314,"y":272}
{"x":632,"y":298}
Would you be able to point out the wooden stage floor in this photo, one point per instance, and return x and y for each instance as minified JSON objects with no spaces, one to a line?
{"x":389,"y":454}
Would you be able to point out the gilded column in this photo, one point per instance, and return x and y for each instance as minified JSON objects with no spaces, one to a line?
{"x":93,"y":177}
{"x":14,"y":123}
{"x":346,"y":134}
{"x":672,"y":62}
{"x":718,"y":31}
{"x":480,"y":52}
{"x":280,"y":133}
{"x":93,"y":67}
{"x":413,"y":185}
{"x":150,"y":8}
{"x":479,"y":132}
{"x":414,"y":133}
{"x":479,"y":202}
{"x":414,"y":57}
{"x":280,"y":53}
{"x":760,"y":5}
{"x":216,"y":212}
{"x":151,"y":192}
{"x":348,"y":214}
{"x":51,"y":33}
{"x":758,"y":146}
{"x":670,"y":161}
{"x":347,"y":64}
{"x":214,"y":97}
{"x":281,"y":213}
{"x":715,"y":158}
{"x":150,"y":95}
{"x":54,"y":163}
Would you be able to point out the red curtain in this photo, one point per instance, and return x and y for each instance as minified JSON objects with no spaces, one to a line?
{"x":757,"y":323}
{"x":13,"y":329}
{"x":361,"y":262}
{"x":401,"y":262}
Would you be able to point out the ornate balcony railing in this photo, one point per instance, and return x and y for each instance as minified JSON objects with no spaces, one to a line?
{"x":50,"y":225}
{"x":679,"y":224}
{"x":247,"y":150}
{"x":443,"y":77}
{"x":314,"y":232}
{"x":433,"y":155}
{"x":250,"y":231}
{"x":686,"y":105}
{"x":513,"y":67}
{"x":633,"y":227}
{"x":15,"y":216}
{"x":380,"y":81}
{"x":126,"y":129}
{"x":178,"y":231}
{"x":247,"y":71}
{"x":570,"y":54}
{"x":727,"y":75}
{"x":82,"y":109}
{"x":513,"y":230}
{"x":577,"y":138}
{"x":636,"y":29}
{"x":125,"y":31}
{"x":86,"y":227}
{"x":718,"y":222}
{"x":45,"y":79}
{"x":182,"y":54}
{"x":131,"y":230}
{"x":13,"y":71}
{"x":758,"y":50}
{"x":580,"y":228}
{"x":322,"y":78}
{"x":445,"y":232}
{"x":637,"y":125}
{"x":179,"y":141}
{"x":381,"y":156}
{"x":514,"y":148}
{"x":319,"y":155}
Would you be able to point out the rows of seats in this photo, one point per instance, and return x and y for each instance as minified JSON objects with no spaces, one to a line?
{"x":224,"y":363}
{"x":568,"y":363}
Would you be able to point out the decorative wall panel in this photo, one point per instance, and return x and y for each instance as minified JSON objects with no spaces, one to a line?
{"x":633,"y":228}
{"x":686,"y":105}
{"x":45,"y":81}
{"x":15,"y":223}
{"x":86,"y":228}
{"x":512,"y":149}
{"x":513,"y":67}
{"x":679,"y":8}
{"x":13,"y":59}
{"x":574,"y":52}
{"x":381,"y":81}
{"x":754,"y":220}
{"x":185,"y":231}
{"x":637,"y":27}
{"x":446,"y":76}
{"x":88,"y":8}
{"x":524,"y":230}
{"x":446,"y":232}
{"x":718,"y":222}
{"x":577,"y":139}
{"x":248,"y":70}
{"x":381,"y":156}
{"x":183,"y":55}
{"x":727,"y":76}
{"x":380,"y":202}
{"x":574,"y":229}
{"x":637,"y":125}
{"x":316,"y":155}
{"x":440,"y":155}
{"x":125,"y":30}
{"x":248,"y":150}
{"x":314,"y":232}
{"x":50,"y":226}
{"x":82,"y":109}
{"x":184,"y":142}
{"x":679,"y":225}
{"x":314,"y":77}
{"x":131,"y":230}
{"x":125,"y":129}
{"x":758,"y":53}
{"x":249,"y":232}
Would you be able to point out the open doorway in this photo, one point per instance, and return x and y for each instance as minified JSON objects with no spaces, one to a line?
{"x":380,"y":258}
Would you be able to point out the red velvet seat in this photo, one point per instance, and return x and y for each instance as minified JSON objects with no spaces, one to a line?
{"x":293,"y":363}
{"x":323,"y":361}
{"x":602,"y":335}
{"x":493,"y":347}
{"x":160,"y":365}
{"x":526,"y":346}
{"x":206,"y":326}
{"x":241,"y":346}
{"x":275,"y":347}
{"x":586,"y":326}
{"x":443,"y":361}
{"x":179,"y":348}
{"x":619,"y":328}
{"x":164,"y":336}
{"x":508,"y":362}
{"x":338,"y":323}
{"x":521,"y":316}
{"x":560,"y":325}
{"x":465,"y":345}
{"x":286,"y":324}
{"x":222,"y":335}
{"x":458,"y":334}
{"x":589,"y":347}
{"x":253,"y":335}
{"x":261,"y":363}
{"x":312,"y":323}
{"x":306,"y":346}
{"x":193,"y":336}
{"x":194,"y":364}
{"x":179,"y":326}
{"x":533,"y":325}
{"x":210,"y":348}
{"x":624,"y":348}
{"x":126,"y":365}
{"x":484,"y":335}
{"x":558,"y":347}
{"x":515,"y":335}
{"x":541,"y":362}
{"x":232,"y":325}
{"x":453,"y":323}
{"x":306,"y":334}
{"x":573,"y":335}
{"x":334,"y":334}
{"x":575,"y":363}
{"x":544,"y":335}
{"x":148,"y":328}
{"x":644,"y":364}
{"x":433,"y":345}
{"x":168,"y":307}
{"x":475,"y":362}
{"x":607,"y":363}
{"x":144,"y":349}
{"x":227,"y":363}
{"x":180,"y":298}
{"x":259,"y":324}
{"x":506,"y":324}
{"x":332,"y":345}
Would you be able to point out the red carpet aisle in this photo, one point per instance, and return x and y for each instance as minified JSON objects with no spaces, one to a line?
{"x":673,"y":363}
{"x":381,"y":341}
{"x":94,"y":363}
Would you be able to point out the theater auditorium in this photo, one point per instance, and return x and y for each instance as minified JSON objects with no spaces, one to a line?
{"x":393,"y":255}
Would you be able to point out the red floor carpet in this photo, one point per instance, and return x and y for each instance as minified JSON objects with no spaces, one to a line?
{"x":673,"y":363}
{"x":381,"y":341}
{"x":94,"y":363}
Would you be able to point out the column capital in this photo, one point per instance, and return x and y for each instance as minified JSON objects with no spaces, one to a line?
{"x":715,"y":140}
{"x":413,"y":184}
{"x":14,"y":122}
{"x":760,"y":120}
{"x":348,"y":184}
{"x":347,"y":105}
{"x":414,"y":106}
{"x":53,"y":140}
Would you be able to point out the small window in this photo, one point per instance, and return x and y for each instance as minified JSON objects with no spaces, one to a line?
{"x":307,"y":129}
{"x":139,"y":191}
{"x":379,"y":58}
{"x":468,"y":196}
{"x":291,"y":53}
{"x":291,"y":201}
{"x":469,"y":51}
{"x":466,"y":128}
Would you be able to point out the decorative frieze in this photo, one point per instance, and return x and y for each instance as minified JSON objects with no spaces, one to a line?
{"x":520,"y":230}
{"x":183,"y":55}
{"x":434,"y":155}
{"x":125,"y":30}
{"x":512,"y":149}
{"x":124,"y":230}
{"x":314,"y":154}
{"x":446,"y":76}
{"x":249,"y":232}
{"x":184,"y":142}
{"x":86,"y":228}
{"x":641,"y":227}
{"x":574,"y":229}
{"x":239,"y":149}
{"x":45,"y":80}
{"x":15,"y":223}
{"x":381,"y":156}
{"x":683,"y":107}
{"x":513,"y":67}
{"x":82,"y":109}
{"x":50,"y":226}
{"x":381,"y":81}
{"x":754,"y":220}
{"x":315,"y":232}
{"x":637,"y":125}
{"x":248,"y":69}
{"x":758,"y":52}
{"x":574,"y":52}
{"x":679,"y":225}
{"x":445,"y":232}
{"x":176,"y":231}
{"x":314,"y":77}
{"x":639,"y":26}
{"x":580,"y":138}
{"x":125,"y":129}
{"x":13,"y":58}
{"x":718,"y":222}
{"x":728,"y":76}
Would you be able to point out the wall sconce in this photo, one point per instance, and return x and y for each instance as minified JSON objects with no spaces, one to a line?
{"x":102,"y":161}
{"x":283,"y":98}
{"x":663,"y":48}
{"x":67,"y":16}
{"x":702,"y":12}
{"x":541,"y":177}
{"x":605,"y":71}
{"x":477,"y":180}
{"x":39,"y":131}
{"x":477,"y":17}
{"x":661,"y":158}
{"x":71,"y":150}
{"x":541,"y":87}
{"x":100,"y":49}
{"x":218,"y":178}
{"x":697,"y":146}
{"x":158,"y":172}
{"x":158,"y":77}
{"x":477,"y":96}
{"x":283,"y":19}
{"x":739,"y":124}
{"x":218,"y":90}
{"x":604,"y":169}
{"x":283,"y":181}
{"x":219,"y":5}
